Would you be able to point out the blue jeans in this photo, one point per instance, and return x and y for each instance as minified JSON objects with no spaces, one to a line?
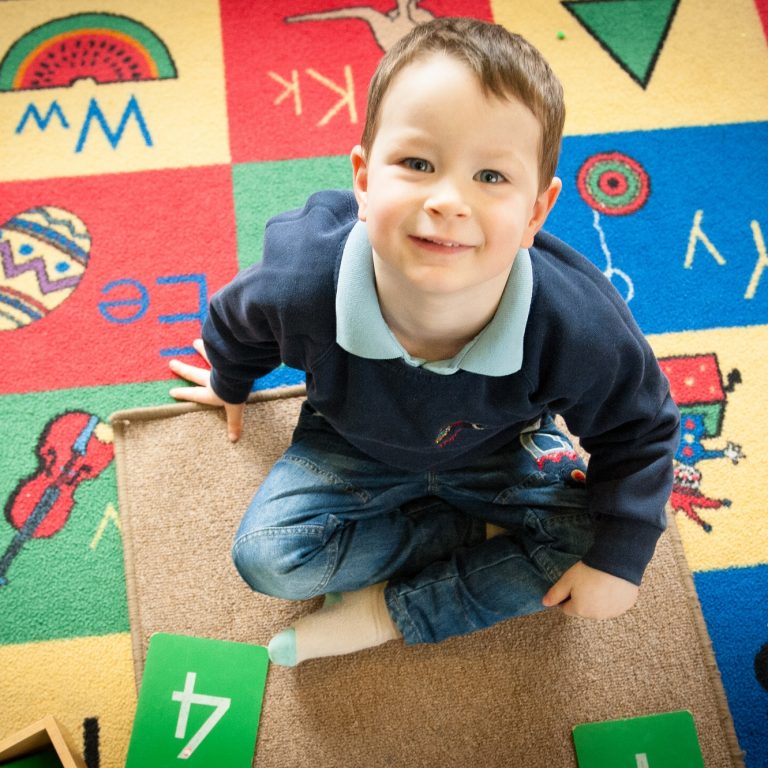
{"x":327,"y":518}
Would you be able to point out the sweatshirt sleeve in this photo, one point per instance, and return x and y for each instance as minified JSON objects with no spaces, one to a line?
{"x":608,"y":386}
{"x":631,"y":437}
{"x":239,"y":337}
{"x":282,"y":309}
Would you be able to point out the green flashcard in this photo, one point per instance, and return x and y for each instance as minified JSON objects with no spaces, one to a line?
{"x":199,"y":704}
{"x":667,"y":740}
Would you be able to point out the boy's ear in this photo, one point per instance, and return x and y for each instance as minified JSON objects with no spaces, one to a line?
{"x":360,"y":180}
{"x":545,"y":202}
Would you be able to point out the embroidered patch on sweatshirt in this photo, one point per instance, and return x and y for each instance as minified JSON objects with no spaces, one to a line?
{"x":448,"y":434}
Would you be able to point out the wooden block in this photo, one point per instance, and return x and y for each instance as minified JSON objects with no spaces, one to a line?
{"x":43,"y":734}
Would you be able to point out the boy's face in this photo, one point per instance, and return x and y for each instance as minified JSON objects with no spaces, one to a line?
{"x":449,"y":190}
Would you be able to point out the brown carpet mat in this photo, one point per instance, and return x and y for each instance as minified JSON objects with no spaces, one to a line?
{"x":507,"y":696}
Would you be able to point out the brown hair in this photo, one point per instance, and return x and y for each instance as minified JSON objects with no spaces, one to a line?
{"x":506,"y":65}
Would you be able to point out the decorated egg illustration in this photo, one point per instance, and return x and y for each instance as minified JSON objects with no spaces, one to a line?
{"x":43,"y":255}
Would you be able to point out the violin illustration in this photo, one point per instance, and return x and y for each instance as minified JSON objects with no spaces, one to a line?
{"x":73,"y":448}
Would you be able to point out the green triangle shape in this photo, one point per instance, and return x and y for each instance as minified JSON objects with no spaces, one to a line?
{"x":631,"y":31}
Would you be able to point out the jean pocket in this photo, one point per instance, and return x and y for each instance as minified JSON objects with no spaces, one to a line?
{"x":557,"y":541}
{"x":567,"y":531}
{"x":525,"y":485}
{"x":325,"y":476}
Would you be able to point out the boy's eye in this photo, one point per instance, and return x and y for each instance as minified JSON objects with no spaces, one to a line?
{"x":417,"y":164}
{"x":490,"y":177}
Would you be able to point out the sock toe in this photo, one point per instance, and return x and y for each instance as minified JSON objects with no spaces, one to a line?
{"x":282,"y":648}
{"x":331,"y":598}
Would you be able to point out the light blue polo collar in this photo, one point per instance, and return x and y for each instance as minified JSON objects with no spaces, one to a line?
{"x":361,"y":330}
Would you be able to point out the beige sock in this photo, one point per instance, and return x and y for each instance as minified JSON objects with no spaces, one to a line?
{"x":356,"y":621}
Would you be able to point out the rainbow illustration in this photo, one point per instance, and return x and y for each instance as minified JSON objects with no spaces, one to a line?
{"x":105,"y":47}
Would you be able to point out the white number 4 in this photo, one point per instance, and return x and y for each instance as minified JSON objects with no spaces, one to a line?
{"x":187,"y":698}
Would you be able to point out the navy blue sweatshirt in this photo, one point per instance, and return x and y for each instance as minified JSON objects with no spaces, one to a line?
{"x":583,"y":357}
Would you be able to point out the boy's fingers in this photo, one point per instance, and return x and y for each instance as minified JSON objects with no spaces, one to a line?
{"x":192,"y":373}
{"x":568,"y":608}
{"x":192,"y":394}
{"x":556,"y":595}
{"x":203,"y":393}
{"x":200,"y":349}
{"x":179,"y":393}
{"x":235,"y":420}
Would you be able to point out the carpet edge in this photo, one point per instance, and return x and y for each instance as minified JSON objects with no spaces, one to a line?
{"x":120,"y":422}
{"x":152,"y":412}
{"x":119,"y":425}
{"x":710,"y":661}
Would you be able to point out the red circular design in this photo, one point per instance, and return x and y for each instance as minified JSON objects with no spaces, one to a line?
{"x":613,"y":183}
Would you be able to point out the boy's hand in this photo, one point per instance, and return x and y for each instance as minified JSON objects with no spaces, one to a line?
{"x":591,"y":594}
{"x":203,"y":393}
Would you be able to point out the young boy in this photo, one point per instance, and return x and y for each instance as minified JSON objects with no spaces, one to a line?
{"x":427,"y":491}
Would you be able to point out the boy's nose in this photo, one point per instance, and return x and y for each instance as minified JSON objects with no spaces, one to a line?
{"x":446,"y":199}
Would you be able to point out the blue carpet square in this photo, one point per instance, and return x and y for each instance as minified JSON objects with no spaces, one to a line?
{"x":736,"y":611}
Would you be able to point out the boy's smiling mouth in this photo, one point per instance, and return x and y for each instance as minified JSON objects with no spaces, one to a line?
{"x":439,"y":244}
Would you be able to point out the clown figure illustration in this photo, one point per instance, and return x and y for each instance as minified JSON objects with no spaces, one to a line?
{"x":43,"y":255}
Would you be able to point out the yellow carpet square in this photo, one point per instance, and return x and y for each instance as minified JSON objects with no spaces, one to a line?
{"x":88,"y":677}
{"x":738,"y":535}
{"x":174,"y":115}
{"x":699,"y":77}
